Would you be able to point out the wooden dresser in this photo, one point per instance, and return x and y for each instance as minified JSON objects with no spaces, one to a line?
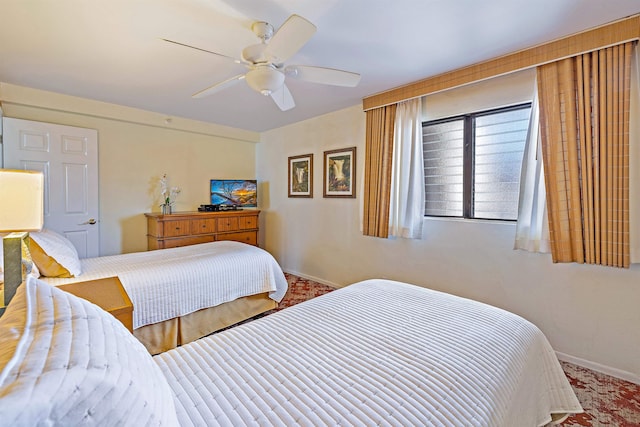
{"x":191,"y":228}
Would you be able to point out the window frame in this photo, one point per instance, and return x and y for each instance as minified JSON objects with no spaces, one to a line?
{"x":468,"y":152}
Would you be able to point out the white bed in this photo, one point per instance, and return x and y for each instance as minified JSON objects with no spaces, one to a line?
{"x":374,"y":353}
{"x":168,"y":285}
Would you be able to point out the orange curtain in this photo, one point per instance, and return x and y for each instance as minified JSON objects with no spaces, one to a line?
{"x":584,"y":125}
{"x":377,"y":170}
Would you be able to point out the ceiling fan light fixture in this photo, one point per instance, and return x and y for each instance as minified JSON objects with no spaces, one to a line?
{"x":265,"y":79}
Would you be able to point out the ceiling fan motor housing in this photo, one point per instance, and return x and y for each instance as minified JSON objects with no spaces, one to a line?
{"x":255,"y":54}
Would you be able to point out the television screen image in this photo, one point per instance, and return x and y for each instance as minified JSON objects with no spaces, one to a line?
{"x":234,"y":192}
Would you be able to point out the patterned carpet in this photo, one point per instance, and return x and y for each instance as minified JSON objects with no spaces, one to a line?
{"x":301,"y":290}
{"x":607,"y":401}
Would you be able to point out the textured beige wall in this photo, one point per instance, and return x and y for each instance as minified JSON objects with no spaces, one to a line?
{"x":587,"y":312}
{"x":135,"y":148}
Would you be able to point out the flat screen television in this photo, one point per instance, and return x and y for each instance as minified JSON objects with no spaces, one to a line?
{"x":241,"y":193}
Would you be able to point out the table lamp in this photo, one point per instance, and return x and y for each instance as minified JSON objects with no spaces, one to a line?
{"x":21,"y":211}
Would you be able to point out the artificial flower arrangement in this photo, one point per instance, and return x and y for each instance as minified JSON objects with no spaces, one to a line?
{"x":169,"y":195}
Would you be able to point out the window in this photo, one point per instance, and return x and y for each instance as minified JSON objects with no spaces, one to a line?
{"x":472,"y":163}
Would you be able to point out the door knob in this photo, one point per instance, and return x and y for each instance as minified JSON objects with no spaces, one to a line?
{"x":90,"y":222}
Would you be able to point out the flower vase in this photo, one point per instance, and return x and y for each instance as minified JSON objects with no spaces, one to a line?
{"x":166,"y":209}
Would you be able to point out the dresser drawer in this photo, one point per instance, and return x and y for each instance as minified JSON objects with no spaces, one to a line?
{"x":227,"y":224}
{"x":247,"y":222}
{"x":248,"y":237}
{"x":187,"y":241}
{"x":176,"y":228}
{"x":203,"y":226}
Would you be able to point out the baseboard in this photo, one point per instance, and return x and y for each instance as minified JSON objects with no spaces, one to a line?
{"x":315,"y":279}
{"x":607,"y":370}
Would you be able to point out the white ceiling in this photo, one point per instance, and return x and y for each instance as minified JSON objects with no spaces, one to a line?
{"x":110,"y":50}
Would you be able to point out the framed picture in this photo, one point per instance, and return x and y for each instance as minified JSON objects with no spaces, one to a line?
{"x":340,"y":173}
{"x":301,"y":176}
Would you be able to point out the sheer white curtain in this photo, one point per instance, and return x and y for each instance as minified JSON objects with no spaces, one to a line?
{"x":406,"y":210}
{"x":532,"y":228}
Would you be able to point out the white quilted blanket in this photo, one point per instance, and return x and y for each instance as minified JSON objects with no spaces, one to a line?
{"x":168,"y":283}
{"x":374,"y":353}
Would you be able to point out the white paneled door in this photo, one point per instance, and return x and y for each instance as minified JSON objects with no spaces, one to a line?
{"x":68,"y":157}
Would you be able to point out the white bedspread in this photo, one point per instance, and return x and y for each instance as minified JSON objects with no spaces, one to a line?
{"x":374,"y":353}
{"x":168,"y":283}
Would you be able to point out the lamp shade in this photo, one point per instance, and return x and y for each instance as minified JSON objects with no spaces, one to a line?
{"x":21,"y":200}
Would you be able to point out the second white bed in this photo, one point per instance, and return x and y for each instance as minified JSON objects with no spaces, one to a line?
{"x":374,"y":353}
{"x":170,"y":283}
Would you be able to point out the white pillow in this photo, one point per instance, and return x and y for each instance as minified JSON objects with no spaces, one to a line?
{"x":66,"y":361}
{"x":59,"y":248}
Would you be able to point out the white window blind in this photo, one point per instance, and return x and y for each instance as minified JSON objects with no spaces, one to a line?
{"x":443,"y":145}
{"x":499,"y":145}
{"x":472,"y":164}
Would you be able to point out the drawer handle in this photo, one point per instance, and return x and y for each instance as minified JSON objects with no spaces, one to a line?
{"x":177,"y":228}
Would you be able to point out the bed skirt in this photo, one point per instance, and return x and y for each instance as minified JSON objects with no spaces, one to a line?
{"x":163,"y":336}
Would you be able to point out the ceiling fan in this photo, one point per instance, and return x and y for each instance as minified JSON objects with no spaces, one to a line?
{"x":265,"y":61}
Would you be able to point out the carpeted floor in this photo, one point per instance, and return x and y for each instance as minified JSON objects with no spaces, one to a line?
{"x":607,"y":401}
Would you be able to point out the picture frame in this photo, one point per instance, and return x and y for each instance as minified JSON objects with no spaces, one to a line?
{"x":339,"y":176}
{"x":301,"y":176}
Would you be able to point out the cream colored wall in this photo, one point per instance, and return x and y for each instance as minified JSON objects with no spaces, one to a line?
{"x":590,"y":314}
{"x":135,"y":148}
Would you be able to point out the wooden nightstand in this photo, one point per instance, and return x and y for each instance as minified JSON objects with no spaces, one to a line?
{"x":107,"y":294}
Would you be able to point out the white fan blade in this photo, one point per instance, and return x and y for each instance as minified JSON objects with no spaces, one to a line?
{"x":290,"y":37}
{"x":283,"y":98}
{"x":327,"y":76}
{"x":218,"y":86}
{"x":237,"y":61}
